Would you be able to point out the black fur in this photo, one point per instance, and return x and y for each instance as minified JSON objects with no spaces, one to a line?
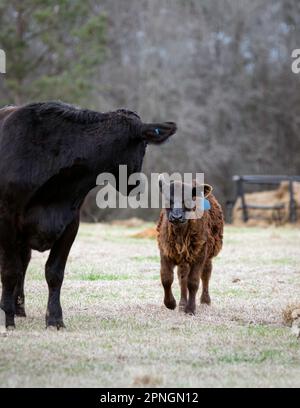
{"x":51,"y":154}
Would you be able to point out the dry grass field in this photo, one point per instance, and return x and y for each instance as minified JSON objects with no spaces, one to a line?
{"x":119,"y":333}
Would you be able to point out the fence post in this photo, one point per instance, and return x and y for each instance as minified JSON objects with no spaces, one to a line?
{"x":293,"y":206}
{"x":240,"y":193}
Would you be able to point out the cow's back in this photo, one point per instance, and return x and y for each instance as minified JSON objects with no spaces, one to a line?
{"x":35,"y":148}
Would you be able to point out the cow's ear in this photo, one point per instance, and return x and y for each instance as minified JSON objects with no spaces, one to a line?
{"x":157,"y":133}
{"x":206,"y":188}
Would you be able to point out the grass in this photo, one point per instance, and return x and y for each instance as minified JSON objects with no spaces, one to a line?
{"x":147,"y":259}
{"x":103,"y":277}
{"x":119,"y":334}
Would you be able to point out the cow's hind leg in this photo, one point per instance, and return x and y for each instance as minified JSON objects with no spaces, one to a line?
{"x":205,"y":277}
{"x":11,"y":270}
{"x":55,"y":269}
{"x":19,"y":296}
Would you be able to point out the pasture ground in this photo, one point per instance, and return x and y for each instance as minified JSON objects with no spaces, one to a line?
{"x":119,"y":333}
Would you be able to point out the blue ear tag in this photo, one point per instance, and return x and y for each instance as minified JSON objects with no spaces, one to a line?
{"x":157,"y":131}
{"x":206,"y":205}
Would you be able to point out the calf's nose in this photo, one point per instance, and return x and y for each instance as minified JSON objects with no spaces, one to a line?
{"x":176,"y":216}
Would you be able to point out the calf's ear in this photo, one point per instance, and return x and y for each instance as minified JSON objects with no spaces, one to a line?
{"x":207,"y":189}
{"x":157,"y":133}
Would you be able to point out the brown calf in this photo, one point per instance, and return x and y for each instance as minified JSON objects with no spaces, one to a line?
{"x":189,"y":244}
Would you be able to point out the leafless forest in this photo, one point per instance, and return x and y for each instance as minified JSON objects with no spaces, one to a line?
{"x":221,"y":69}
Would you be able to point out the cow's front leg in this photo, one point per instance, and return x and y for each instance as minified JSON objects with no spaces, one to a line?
{"x":11,"y":270}
{"x":55,"y":268}
{"x":19,"y":296}
{"x":167,"y":278}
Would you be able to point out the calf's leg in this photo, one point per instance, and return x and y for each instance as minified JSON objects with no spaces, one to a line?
{"x":193,"y":286}
{"x":182,"y":273}
{"x":205,"y":277}
{"x":167,"y":278}
{"x":55,"y":268}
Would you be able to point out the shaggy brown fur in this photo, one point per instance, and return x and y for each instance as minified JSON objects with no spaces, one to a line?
{"x":191,"y":247}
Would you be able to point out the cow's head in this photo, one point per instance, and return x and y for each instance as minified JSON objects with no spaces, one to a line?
{"x":136,"y":135}
{"x":152,"y":133}
{"x":181,"y":198}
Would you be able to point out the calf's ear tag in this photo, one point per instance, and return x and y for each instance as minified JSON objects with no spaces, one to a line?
{"x":206,"y":204}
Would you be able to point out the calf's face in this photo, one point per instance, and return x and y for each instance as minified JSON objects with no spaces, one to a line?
{"x":181,"y":199}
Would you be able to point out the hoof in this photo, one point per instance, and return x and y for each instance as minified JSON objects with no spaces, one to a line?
{"x":170,"y":304}
{"x":189,"y":311}
{"x":11,"y":328}
{"x":20,"y":313}
{"x":51,"y":328}
{"x":55,"y":328}
{"x":182,"y":304}
{"x":55,"y":324}
{"x":205,"y":300}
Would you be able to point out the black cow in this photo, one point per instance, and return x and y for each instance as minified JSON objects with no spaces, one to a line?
{"x":50,"y":156}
